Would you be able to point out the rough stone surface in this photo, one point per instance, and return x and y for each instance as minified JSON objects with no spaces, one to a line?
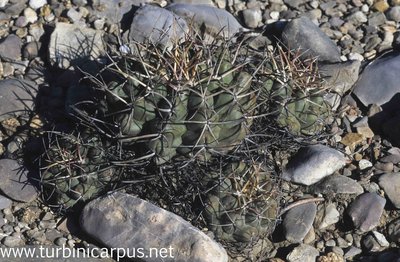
{"x":10,"y":48}
{"x":340,"y":77}
{"x":390,"y":183}
{"x":157,"y":26}
{"x":298,"y":222}
{"x":14,"y":181}
{"x":5,"y":202}
{"x":73,"y":45}
{"x":121,"y":220}
{"x":15,"y":97}
{"x":337,"y":184}
{"x":210,"y":20}
{"x":302,"y":33}
{"x":303,"y":253}
{"x":378,"y":82}
{"x":310,"y":164}
{"x":366,"y":210}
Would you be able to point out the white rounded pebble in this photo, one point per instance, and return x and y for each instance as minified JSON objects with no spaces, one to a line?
{"x":364,"y":164}
{"x":36,"y":4}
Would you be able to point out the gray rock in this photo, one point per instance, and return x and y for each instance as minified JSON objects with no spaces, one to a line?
{"x":393,"y":230}
{"x":15,"y":8}
{"x":374,"y":242}
{"x":31,"y":50}
{"x":209,"y":21}
{"x":10,"y":241}
{"x":378,"y":82}
{"x":113,"y":10}
{"x":390,"y":183}
{"x":303,"y":253}
{"x":340,"y":77}
{"x":157,"y":26}
{"x":3,"y":3}
{"x":74,"y":15}
{"x":16,"y":96}
{"x":124,"y":221}
{"x":394,"y":13}
{"x":312,"y":163}
{"x":4,"y":202}
{"x":252,"y":17}
{"x":366,"y":210}
{"x":326,"y":216}
{"x":14,"y":181}
{"x":298,"y":222}
{"x":73,"y":45}
{"x":357,"y":18}
{"x":198,"y":2}
{"x":352,"y":251}
{"x":10,"y":48}
{"x":392,"y":158}
{"x":301,"y":33}
{"x":338,"y":184}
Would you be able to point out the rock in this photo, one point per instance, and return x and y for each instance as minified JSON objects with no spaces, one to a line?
{"x":340,"y":77}
{"x":113,"y":11}
{"x":14,"y":181}
{"x":327,"y":216}
{"x":303,"y":253}
{"x":312,"y":163}
{"x":392,"y":158}
{"x":30,"y":14}
{"x":3,"y":3}
{"x":365,"y":131}
{"x":209,"y":21}
{"x":10,"y":48}
{"x":352,"y":251}
{"x":352,"y":140}
{"x":374,"y":242}
{"x":381,"y":5}
{"x":10,"y":241}
{"x":198,"y":2}
{"x":252,"y":17}
{"x":4,"y":202}
{"x":393,"y":230}
{"x":16,"y":96}
{"x":337,"y":184}
{"x":36,"y":4}
{"x":378,"y":82}
{"x":73,"y":45}
{"x":366,"y":210}
{"x":298,"y":222}
{"x":124,"y":221}
{"x":74,"y":15}
{"x":31,"y":50}
{"x":157,"y":26}
{"x":394,"y":14}
{"x":390,"y":183}
{"x":364,"y":164}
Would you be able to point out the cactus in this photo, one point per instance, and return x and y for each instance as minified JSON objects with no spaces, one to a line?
{"x":75,"y":169}
{"x":242,"y":203}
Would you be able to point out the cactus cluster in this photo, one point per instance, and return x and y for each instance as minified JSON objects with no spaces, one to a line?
{"x":242,"y":203}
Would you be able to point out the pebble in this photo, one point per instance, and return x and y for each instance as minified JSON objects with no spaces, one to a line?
{"x":30,"y":15}
{"x":381,"y":5}
{"x":114,"y":223}
{"x":390,"y":183}
{"x":392,"y":158}
{"x":352,"y":252}
{"x":303,"y":253}
{"x":364,"y":164}
{"x":252,"y":17}
{"x":74,"y":15}
{"x":36,"y":4}
{"x":298,"y":222}
{"x":61,"y":241}
{"x":340,"y":77}
{"x":11,"y":241}
{"x":310,"y":164}
{"x":394,"y":14}
{"x":393,"y":230}
{"x":10,"y":48}
{"x":366,"y":210}
{"x":326,"y":216}
{"x":3,"y":3}
{"x":5,"y":202}
{"x":374,"y":242}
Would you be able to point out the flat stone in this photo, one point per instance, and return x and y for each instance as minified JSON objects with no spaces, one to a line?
{"x":73,"y":45}
{"x":14,"y":181}
{"x":352,"y":140}
{"x":390,"y":183}
{"x":124,"y":221}
{"x":378,"y":82}
{"x":326,"y":216}
{"x":16,"y":96}
{"x":366,"y":210}
{"x":338,"y":184}
{"x":312,"y":163}
{"x":301,"y":33}
{"x":10,"y":48}
{"x":340,"y":77}
{"x":5,"y":202}
{"x":392,"y":158}
{"x":303,"y":253}
{"x":211,"y":21}
{"x":157,"y":26}
{"x":298,"y":222}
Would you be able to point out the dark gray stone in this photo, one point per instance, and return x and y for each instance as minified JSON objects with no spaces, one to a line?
{"x":394,"y":14}
{"x":74,"y":45}
{"x":157,"y":26}
{"x":16,"y":96}
{"x":301,"y":33}
{"x":10,"y":48}
{"x":393,"y":158}
{"x":312,"y":163}
{"x":378,"y":82}
{"x":366,"y":210}
{"x":208,"y":20}
{"x":124,"y":221}
{"x":337,"y":184}
{"x":340,"y":77}
{"x":390,"y":183}
{"x":298,"y":221}
{"x":14,"y":181}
